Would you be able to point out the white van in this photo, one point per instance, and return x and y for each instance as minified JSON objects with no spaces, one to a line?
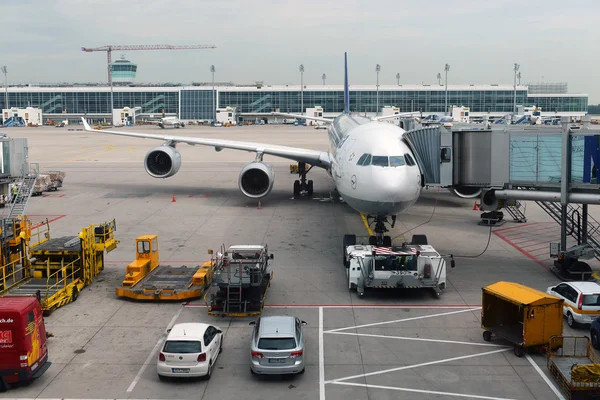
{"x":581,"y":301}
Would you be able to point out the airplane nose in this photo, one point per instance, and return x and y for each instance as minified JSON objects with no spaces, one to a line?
{"x":394,"y":185}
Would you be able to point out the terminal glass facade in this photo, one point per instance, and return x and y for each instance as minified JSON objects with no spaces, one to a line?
{"x":94,"y":102}
{"x":197,"y":104}
{"x":366,"y":101}
{"x":560,"y":103}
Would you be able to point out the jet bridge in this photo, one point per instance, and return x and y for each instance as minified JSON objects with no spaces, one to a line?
{"x":555,"y":166}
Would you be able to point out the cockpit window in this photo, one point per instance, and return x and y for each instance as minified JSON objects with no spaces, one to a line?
{"x":380,"y":161}
{"x":365,"y":159}
{"x":409,"y":160}
{"x":397,"y":161}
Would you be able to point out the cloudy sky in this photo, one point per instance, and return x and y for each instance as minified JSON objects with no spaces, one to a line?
{"x":267,"y":40}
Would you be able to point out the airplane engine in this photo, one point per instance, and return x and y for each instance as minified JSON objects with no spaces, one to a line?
{"x":465,"y":192}
{"x":162,"y":162}
{"x":256,"y":180}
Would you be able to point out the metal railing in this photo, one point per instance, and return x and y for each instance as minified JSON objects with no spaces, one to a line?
{"x":61,"y":277}
{"x":14,"y":267}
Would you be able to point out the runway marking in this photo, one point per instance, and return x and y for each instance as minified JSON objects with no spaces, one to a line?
{"x":321,"y":357}
{"x":152,"y":353}
{"x":403,"y":320}
{"x":545,"y":378}
{"x":364,"y":219}
{"x":471,"y":396}
{"x":417,"y":339}
{"x":385,"y":371}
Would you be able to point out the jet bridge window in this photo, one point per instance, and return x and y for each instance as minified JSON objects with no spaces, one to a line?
{"x":380,"y":161}
{"x":397,"y":161}
{"x":365,"y":159}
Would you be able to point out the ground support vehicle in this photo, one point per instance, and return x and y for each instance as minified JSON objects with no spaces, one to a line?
{"x":43,"y":183}
{"x":241,"y":278}
{"x":521,"y":315}
{"x":410,"y":266}
{"x":56,"y":270}
{"x":145,"y":279}
{"x":23,"y":346}
{"x":575,"y":367}
{"x":56,"y":179}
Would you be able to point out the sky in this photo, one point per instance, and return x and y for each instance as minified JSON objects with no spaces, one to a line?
{"x":267,"y":40}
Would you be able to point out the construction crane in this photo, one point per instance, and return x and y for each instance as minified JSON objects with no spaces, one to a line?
{"x":109,"y":48}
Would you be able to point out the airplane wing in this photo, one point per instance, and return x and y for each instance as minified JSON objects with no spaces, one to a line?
{"x":278,"y":114}
{"x":407,"y":114}
{"x":312,"y":157}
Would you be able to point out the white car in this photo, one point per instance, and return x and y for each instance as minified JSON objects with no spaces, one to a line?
{"x":191,"y":350}
{"x":581,"y":301}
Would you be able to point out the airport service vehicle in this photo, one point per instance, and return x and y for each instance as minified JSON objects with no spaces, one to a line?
{"x":241,"y":277}
{"x":414,"y":265}
{"x":277,"y":345}
{"x":23,"y":347}
{"x":581,"y":301}
{"x":147,"y":279}
{"x":190,"y":350}
{"x":575,"y":367}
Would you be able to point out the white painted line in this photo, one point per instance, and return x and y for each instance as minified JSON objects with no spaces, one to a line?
{"x":471,"y":396}
{"x":321,"y":357}
{"x":403,"y":320}
{"x":152,"y":354}
{"x":418,"y":339}
{"x":545,"y":378}
{"x":385,"y":371}
{"x":368,"y":306}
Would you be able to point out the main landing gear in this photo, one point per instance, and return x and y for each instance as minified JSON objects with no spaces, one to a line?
{"x":380,"y":239}
{"x":302,"y":186}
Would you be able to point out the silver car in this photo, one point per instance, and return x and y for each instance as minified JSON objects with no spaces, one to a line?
{"x":277,"y":345}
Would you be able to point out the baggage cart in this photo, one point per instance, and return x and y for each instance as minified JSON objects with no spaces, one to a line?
{"x":525,"y":317}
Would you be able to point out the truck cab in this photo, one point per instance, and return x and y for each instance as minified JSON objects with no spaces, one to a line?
{"x":409,"y":266}
{"x":146,"y":259}
{"x":23,"y":346}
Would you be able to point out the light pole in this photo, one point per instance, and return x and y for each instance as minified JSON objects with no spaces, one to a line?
{"x":446,"y":68}
{"x":516,"y":69}
{"x":439,"y":77}
{"x":302,"y":89}
{"x":324,"y":77}
{"x":377,"y":69}
{"x":5,"y":87}
{"x":214,"y":108}
{"x":398,"y":78}
{"x":519,"y":77}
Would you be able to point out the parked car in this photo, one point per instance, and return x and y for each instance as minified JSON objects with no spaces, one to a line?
{"x":191,"y":350}
{"x":595,"y":333}
{"x":581,"y":301}
{"x":277,"y":345}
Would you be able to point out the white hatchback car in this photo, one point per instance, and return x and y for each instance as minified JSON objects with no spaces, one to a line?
{"x":191,"y":350}
{"x":581,"y":301}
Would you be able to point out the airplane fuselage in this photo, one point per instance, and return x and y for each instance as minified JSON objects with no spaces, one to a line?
{"x":373,"y":169}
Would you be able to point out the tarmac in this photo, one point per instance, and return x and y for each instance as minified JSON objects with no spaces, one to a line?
{"x":391,"y":345}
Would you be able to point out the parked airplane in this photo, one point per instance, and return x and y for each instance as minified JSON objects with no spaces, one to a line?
{"x":373,"y":169}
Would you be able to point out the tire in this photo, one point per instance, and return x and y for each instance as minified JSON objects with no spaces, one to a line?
{"x":161,"y":378}
{"x":75,"y":294}
{"x":296,"y":188}
{"x":349,"y":240}
{"x":373,"y":240}
{"x":487,"y":336}
{"x":595,"y":342}
{"x":221,"y":345}
{"x":419,"y":239}
{"x":310,"y":188}
{"x":519,"y":352}
{"x":303,"y":369}
{"x":387,"y":241}
{"x":209,"y":373}
{"x":571,"y":321}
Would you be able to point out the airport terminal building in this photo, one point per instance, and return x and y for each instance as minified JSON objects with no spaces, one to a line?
{"x":196,"y":102}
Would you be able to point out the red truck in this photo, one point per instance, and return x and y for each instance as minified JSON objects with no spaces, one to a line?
{"x":23,"y":342}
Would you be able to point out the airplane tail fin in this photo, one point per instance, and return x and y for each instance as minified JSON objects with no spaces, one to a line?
{"x":346,"y":89}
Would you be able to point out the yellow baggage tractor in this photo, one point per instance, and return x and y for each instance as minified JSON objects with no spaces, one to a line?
{"x":521,"y":315}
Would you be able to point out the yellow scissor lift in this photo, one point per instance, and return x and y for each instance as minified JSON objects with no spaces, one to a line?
{"x":145,"y":279}
{"x":56,"y":270}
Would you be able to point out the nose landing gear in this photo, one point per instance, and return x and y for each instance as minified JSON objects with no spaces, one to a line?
{"x":380,"y":239}
{"x":302,"y":186}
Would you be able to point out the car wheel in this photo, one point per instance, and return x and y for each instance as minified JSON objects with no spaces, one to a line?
{"x":209,"y":373}
{"x":161,"y":378}
{"x":595,"y":343}
{"x":221,"y":345}
{"x":570,"y":320}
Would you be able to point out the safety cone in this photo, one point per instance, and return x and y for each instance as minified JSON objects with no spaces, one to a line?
{"x":174,"y":199}
{"x":259,"y":207}
{"x":475,"y":206}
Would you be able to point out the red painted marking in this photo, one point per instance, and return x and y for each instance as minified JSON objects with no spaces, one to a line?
{"x":528,"y":233}
{"x":537,"y":245}
{"x":54,"y":195}
{"x":191,"y":195}
{"x":162,"y":262}
{"x":521,"y":250}
{"x":49,"y":221}
{"x":520,"y":226}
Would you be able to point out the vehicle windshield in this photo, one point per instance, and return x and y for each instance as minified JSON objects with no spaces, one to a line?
{"x":591,"y":300}
{"x":182,"y":346}
{"x":277,"y":343}
{"x":395,"y":263}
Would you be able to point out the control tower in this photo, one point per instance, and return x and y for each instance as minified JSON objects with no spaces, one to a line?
{"x":123,"y":71}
